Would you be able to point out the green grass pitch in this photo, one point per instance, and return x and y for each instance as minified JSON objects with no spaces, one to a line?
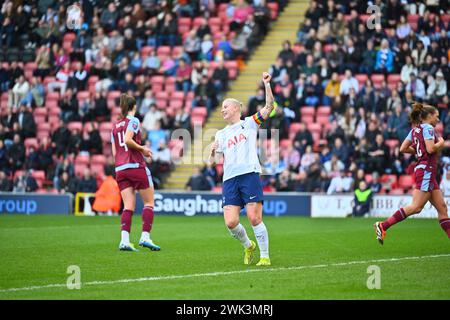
{"x":311,"y":259}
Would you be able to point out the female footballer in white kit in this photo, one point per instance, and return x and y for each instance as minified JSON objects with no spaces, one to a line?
{"x":241,"y":168}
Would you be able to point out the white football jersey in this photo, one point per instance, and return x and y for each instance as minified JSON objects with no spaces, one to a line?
{"x":237,"y":142}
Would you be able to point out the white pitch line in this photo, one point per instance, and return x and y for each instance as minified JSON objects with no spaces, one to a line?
{"x":225,"y":273}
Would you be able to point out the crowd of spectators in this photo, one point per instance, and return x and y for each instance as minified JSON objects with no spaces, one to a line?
{"x":80,"y":68}
{"x":367,"y":77}
{"x":344,"y":91}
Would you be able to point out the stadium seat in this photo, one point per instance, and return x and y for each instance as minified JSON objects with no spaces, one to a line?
{"x":413,"y":18}
{"x":368,"y":178}
{"x":82,"y":159}
{"x":323,"y":120}
{"x":146,"y":50}
{"x":215,"y":24}
{"x":163,"y":51}
{"x":53,"y":120}
{"x":44,"y":126}
{"x":390,"y":179}
{"x":177,"y":95}
{"x":364,"y":18}
{"x":307,"y":111}
{"x":232,"y":67}
{"x":97,"y":169}
{"x":219,"y":168}
{"x":323,"y":111}
{"x":362,"y":78}
{"x":177,"y":50}
{"x":439,"y":129}
{"x":285,"y":143}
{"x":70,"y":36}
{"x":197,"y":121}
{"x":39,"y":175}
{"x":393,"y":78}
{"x":106,"y":126}
{"x":392,"y":143}
{"x":293,"y":129}
{"x":30,"y":66}
{"x":273,"y":7}
{"x":31,"y":142}
{"x":405,"y":181}
{"x":169,"y":86}
{"x":40,"y":115}
{"x":82,"y":95}
{"x":377,"y":80}
{"x":79,"y":169}
{"x":75,"y":125}
{"x":98,"y":159}
{"x":199,"y":112}
{"x":93,"y":80}
{"x":67,"y":46}
{"x":397,"y":191}
{"x":51,"y":96}
{"x":113,"y":94}
{"x":197,"y":22}
{"x":162,"y":95}
{"x":184,"y":25}
{"x":314,"y":127}
{"x":176,"y":104}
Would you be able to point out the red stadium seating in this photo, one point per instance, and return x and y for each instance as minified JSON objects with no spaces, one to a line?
{"x":273,"y":6}
{"x":377,"y":80}
{"x":79,"y":169}
{"x":39,"y":176}
{"x":393,"y":78}
{"x":323,"y":111}
{"x":146,"y":50}
{"x":184,"y":25}
{"x":314,"y":127}
{"x":293,"y":129}
{"x":397,"y":191}
{"x":199,"y":112}
{"x":98,"y":159}
{"x":31,"y":142}
{"x":70,"y":36}
{"x":169,"y":86}
{"x":368,"y":178}
{"x":405,"y":181}
{"x":392,"y":143}
{"x":75,"y":126}
{"x":197,"y":22}
{"x":439,"y":129}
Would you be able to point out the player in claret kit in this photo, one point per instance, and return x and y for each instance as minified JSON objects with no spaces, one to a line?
{"x":132,"y":174}
{"x":241,"y":182}
{"x":422,"y":142}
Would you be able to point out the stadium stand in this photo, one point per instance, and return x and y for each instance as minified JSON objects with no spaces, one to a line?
{"x":65,"y":78}
{"x":345,"y":89}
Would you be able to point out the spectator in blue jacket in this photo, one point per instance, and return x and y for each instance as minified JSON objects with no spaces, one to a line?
{"x":385,"y":58}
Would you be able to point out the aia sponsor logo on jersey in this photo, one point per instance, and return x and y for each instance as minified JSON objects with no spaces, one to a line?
{"x":236,"y":139}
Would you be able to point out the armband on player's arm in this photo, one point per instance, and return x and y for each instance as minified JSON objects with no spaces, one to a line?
{"x":268,"y":109}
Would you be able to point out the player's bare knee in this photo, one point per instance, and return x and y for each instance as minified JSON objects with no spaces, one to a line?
{"x":231,"y":223}
{"x":255,"y":220}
